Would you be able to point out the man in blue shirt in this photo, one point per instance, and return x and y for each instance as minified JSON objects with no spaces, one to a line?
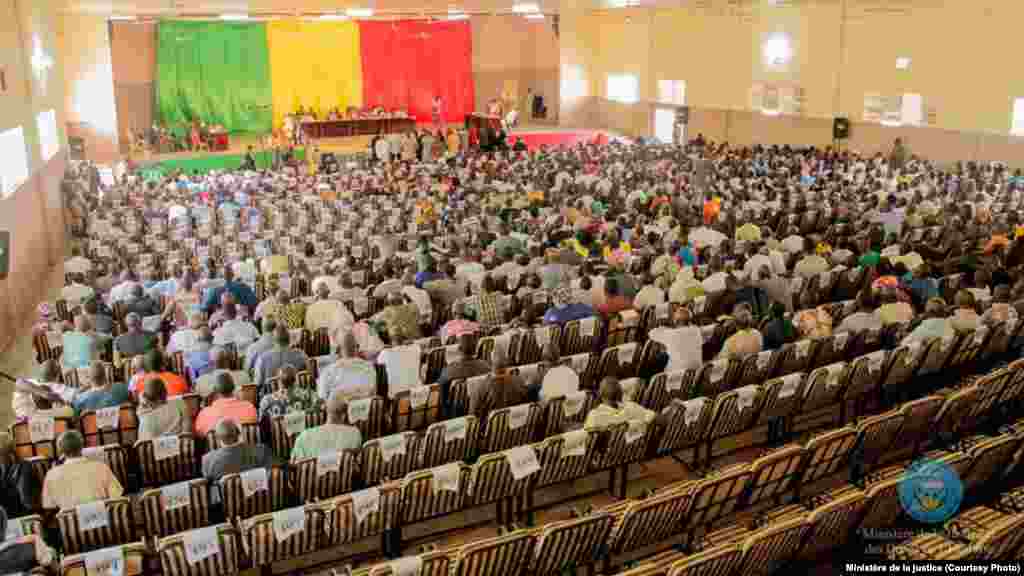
{"x":242,"y":293}
{"x":103,"y":394}
{"x":564,"y":309}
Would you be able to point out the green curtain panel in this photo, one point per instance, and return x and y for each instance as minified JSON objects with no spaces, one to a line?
{"x":215,"y":72}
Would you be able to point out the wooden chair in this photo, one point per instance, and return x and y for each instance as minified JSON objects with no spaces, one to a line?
{"x":119,"y":529}
{"x":174,"y":561}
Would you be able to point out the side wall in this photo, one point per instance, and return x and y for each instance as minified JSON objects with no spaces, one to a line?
{"x":842,"y":50}
{"x":31,"y":63}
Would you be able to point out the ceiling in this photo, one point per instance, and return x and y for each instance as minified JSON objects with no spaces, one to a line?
{"x":312,"y":7}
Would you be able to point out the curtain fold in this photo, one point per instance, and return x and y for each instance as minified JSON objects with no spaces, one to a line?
{"x":214,"y":72}
{"x":405,"y":64}
{"x":314,"y":64}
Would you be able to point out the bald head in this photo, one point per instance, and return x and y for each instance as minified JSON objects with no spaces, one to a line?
{"x":348,"y":347}
{"x":337,"y":408}
{"x":225,"y":387}
{"x":70,"y":443}
{"x":227,"y":431}
{"x":611,"y":391}
{"x":154,"y":392}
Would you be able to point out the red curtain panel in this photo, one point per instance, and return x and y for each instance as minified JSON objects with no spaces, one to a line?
{"x":407,"y":63}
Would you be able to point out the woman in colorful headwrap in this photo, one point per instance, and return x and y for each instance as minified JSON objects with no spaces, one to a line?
{"x":712,"y":208}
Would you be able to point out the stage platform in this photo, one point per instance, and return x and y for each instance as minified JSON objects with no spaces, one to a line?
{"x":230,"y":159}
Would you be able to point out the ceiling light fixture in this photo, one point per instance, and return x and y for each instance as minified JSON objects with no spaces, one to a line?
{"x":534,"y":16}
{"x":332,"y":17}
{"x":526,"y":8}
{"x":457,"y":16}
{"x":359,"y":12}
{"x":119,"y":18}
{"x":238,"y":16}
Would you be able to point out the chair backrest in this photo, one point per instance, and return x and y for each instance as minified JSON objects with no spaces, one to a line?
{"x":564,"y":457}
{"x":565,"y":412}
{"x":989,"y":458}
{"x":450,"y":440}
{"x":783,"y":397}
{"x":160,"y":464}
{"x":37,"y":436}
{"x":492,"y":480}
{"x":373,"y":424}
{"x":508,"y":554}
{"x":716,"y":497}
{"x":876,"y":435}
{"x":687,"y":424}
{"x":724,"y":559}
{"x":174,"y":560}
{"x":134,"y":561}
{"x":113,"y":455}
{"x":510,"y":427}
{"x":99,"y":427}
{"x":832,"y":523}
{"x":953,"y":417}
{"x":286,"y":427}
{"x":826,"y":453}
{"x":773,"y":546}
{"x":240,"y":505}
{"x":167,"y":511}
{"x":571,"y":544}
{"x":264,"y":546}
{"x":98,"y":525}
{"x":775,"y":474}
{"x":717,"y":376}
{"x":735,"y":411}
{"x":435,"y":563}
{"x":362,"y":514}
{"x":250,"y":435}
{"x":318,"y":479}
{"x":390,"y":457}
{"x":866,"y":373}
{"x":651,"y":520}
{"x":421,"y":501}
{"x":406,"y":417}
{"x":824,"y":387}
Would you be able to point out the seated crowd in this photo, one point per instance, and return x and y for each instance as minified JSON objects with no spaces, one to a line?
{"x":267,"y":294}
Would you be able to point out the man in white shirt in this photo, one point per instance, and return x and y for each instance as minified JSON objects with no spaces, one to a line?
{"x":649,"y":295}
{"x":235,"y":331}
{"x":327,"y":279}
{"x":76,"y":292}
{"x":403,"y":367}
{"x":350,"y":376}
{"x":684,"y":345}
{"x":185,"y":340}
{"x":77,"y":264}
{"x":122,"y":291}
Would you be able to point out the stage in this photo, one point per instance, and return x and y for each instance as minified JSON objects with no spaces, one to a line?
{"x":231,"y":159}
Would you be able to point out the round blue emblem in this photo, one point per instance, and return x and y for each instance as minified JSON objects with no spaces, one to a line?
{"x":931,"y":492}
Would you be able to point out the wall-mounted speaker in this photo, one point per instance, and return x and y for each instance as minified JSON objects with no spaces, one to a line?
{"x":841,"y":129}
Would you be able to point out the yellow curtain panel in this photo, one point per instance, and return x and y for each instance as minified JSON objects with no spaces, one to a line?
{"x":314,"y":64}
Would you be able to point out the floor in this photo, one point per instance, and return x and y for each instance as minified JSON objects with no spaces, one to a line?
{"x":533,"y":135}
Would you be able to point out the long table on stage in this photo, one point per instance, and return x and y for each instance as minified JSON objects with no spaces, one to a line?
{"x":357,"y":127}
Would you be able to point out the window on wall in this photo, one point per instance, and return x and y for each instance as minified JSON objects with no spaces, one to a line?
{"x":49,"y":144}
{"x":623,"y":88}
{"x":14,"y":166}
{"x":664,"y":124}
{"x":672,"y":92}
{"x":1017,"y":122}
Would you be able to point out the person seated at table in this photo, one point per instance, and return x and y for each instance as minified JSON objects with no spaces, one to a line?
{"x":249,"y":162}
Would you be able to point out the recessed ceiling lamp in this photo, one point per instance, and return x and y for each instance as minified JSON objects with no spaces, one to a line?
{"x":534,"y":16}
{"x":118,"y":18}
{"x":526,"y":8}
{"x":359,"y":12}
{"x":238,"y":16}
{"x":332,"y":17}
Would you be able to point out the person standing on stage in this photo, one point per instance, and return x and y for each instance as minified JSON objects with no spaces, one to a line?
{"x":435,"y":113}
